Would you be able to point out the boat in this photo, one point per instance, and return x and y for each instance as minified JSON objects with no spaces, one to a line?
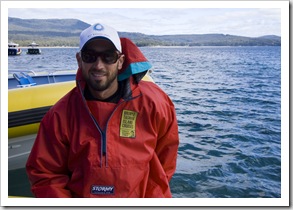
{"x":27,"y":106}
{"x":27,"y":78}
{"x":13,"y":49}
{"x":33,"y":50}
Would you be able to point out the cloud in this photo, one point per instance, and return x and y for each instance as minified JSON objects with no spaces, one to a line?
{"x":159,"y":21}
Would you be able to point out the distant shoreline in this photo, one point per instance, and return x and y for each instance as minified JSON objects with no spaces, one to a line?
{"x":22,"y":47}
{"x":162,"y":46}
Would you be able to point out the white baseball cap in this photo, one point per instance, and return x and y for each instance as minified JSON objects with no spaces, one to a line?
{"x":99,"y":30}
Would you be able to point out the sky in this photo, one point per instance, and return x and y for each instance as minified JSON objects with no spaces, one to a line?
{"x":243,"y":19}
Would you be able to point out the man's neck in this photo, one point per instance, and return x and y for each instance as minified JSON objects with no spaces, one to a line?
{"x":113,"y":97}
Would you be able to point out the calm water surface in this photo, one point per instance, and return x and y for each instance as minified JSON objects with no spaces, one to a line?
{"x":228,"y":104}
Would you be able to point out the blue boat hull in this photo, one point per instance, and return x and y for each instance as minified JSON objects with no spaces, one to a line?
{"x":14,"y":51}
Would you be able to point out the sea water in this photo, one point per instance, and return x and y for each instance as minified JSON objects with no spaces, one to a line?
{"x":228,"y":105}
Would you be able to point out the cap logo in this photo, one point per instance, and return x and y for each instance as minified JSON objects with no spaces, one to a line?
{"x":98,"y":27}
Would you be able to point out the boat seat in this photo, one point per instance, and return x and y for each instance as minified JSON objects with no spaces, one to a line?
{"x":24,"y":79}
{"x":30,"y":79}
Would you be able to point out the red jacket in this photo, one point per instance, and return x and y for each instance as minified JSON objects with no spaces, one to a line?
{"x":134,"y":157}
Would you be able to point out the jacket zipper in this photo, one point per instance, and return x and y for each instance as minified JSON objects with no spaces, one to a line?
{"x":105,"y":132}
{"x":103,"y":135}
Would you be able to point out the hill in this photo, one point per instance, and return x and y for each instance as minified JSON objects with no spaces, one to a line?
{"x":45,"y":32}
{"x":65,"y":32}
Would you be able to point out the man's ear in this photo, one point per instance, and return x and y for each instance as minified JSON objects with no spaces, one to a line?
{"x":121,"y":61}
{"x":78,"y":59}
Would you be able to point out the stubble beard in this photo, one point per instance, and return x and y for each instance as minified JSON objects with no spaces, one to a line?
{"x":102,"y":85}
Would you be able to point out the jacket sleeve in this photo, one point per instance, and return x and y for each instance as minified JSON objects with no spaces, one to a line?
{"x":163,"y":163}
{"x":47,"y":163}
{"x":168,"y":139}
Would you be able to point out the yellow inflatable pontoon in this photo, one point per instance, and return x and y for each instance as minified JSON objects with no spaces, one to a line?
{"x":27,"y":106}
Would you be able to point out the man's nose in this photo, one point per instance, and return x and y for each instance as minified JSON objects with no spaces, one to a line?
{"x":99,"y":63}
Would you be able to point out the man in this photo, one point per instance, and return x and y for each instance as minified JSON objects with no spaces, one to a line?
{"x":113,"y":135}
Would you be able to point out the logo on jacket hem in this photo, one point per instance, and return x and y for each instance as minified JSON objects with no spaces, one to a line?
{"x":128,"y":124}
{"x":102,"y":190}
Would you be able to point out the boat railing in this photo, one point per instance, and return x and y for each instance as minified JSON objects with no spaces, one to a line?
{"x":49,"y":73}
{"x":25,"y":71}
{"x":25,"y":78}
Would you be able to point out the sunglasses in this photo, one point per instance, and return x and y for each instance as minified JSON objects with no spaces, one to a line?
{"x":108,"y":57}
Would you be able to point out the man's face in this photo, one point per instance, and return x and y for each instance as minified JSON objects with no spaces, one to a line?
{"x":100,"y":63}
